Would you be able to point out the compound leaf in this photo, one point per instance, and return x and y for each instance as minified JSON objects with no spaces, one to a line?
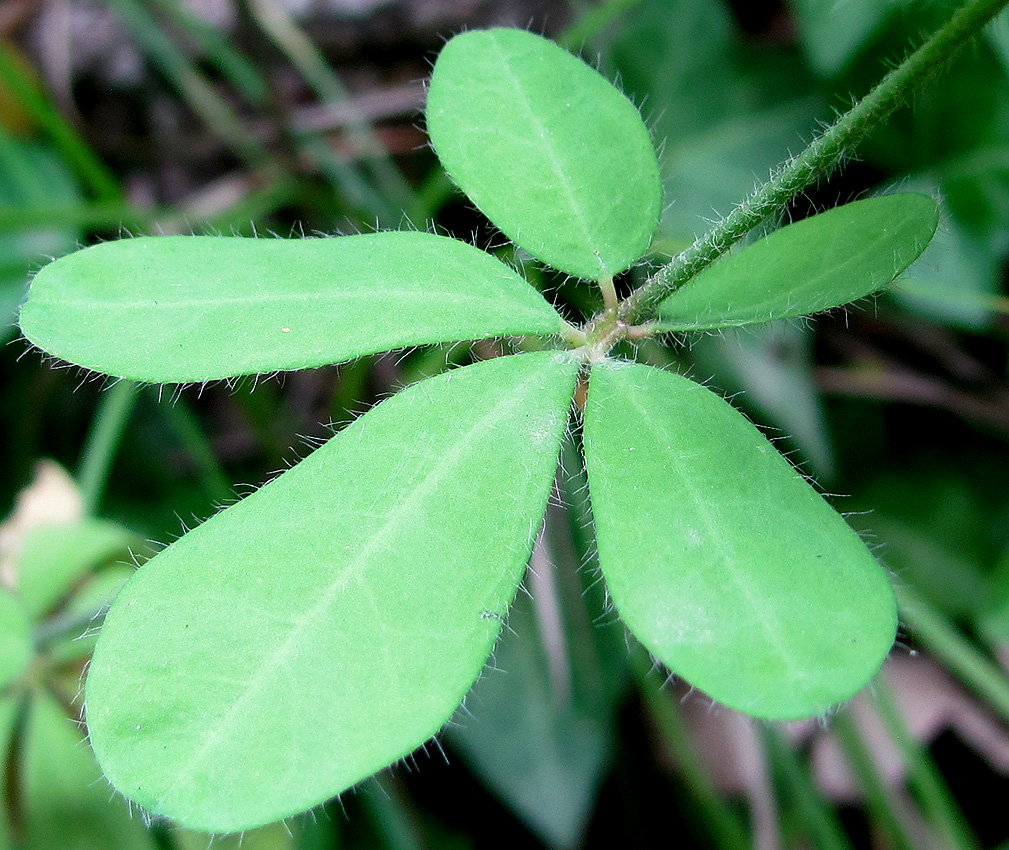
{"x":195,"y":308}
{"x":720,"y":557}
{"x":815,"y":264}
{"x":547,"y":148}
{"x":331,"y":622}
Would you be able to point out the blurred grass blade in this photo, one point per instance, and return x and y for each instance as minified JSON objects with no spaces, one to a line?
{"x":880,"y":797}
{"x":232,"y":63}
{"x":942,"y":639}
{"x":201,"y":96}
{"x":278,"y":24}
{"x":99,"y":180}
{"x":724,"y":828}
{"x":925,"y":776}
{"x":824,"y":828}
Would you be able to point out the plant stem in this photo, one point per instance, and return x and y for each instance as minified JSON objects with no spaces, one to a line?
{"x":823,"y":154}
{"x":103,"y":441}
{"x":188,"y":431}
{"x":942,"y":639}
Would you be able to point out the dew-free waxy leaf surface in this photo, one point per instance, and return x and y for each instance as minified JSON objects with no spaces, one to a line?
{"x":555,"y":156}
{"x":194,"y":308}
{"x":815,"y":264}
{"x":720,"y":557}
{"x":331,"y":622}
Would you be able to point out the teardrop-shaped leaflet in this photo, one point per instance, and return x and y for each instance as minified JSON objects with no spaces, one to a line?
{"x":720,"y":557}
{"x":330,"y":623}
{"x":555,"y":156}
{"x":195,"y":308}
{"x":820,"y":262}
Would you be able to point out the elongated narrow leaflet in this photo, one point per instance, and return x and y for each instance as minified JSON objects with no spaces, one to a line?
{"x":196,"y":308}
{"x":720,"y":557}
{"x":820,"y":262}
{"x":331,"y":622}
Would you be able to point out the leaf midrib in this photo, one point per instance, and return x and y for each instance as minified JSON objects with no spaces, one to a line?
{"x":804,"y":287}
{"x":548,"y":147}
{"x":443,"y":467}
{"x":393,"y":295}
{"x":726,"y":552}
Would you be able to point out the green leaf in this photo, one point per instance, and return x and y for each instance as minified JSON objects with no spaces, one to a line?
{"x":815,"y":264}
{"x":55,"y":557}
{"x":720,"y":558}
{"x":195,"y":308}
{"x":331,"y":622}
{"x":726,"y":110}
{"x":31,"y":175}
{"x":548,"y":149}
{"x":83,"y":609}
{"x":832,"y":32}
{"x":15,"y":638}
{"x":67,"y":804}
{"x":957,"y":279}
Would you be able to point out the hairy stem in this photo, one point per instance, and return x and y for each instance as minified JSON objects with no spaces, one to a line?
{"x":823,"y":154}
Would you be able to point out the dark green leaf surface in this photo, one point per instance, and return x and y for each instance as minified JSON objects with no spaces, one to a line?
{"x":815,"y":264}
{"x":330,"y":623}
{"x":31,"y":175}
{"x":15,"y":638}
{"x":547,"y":148}
{"x":720,"y":558}
{"x":194,"y":308}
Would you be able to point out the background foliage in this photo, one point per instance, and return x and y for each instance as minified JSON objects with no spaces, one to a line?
{"x":172,"y":116}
